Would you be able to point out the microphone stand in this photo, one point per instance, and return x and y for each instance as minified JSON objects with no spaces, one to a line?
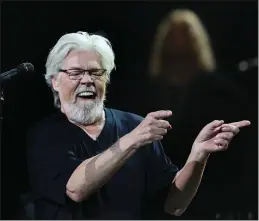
{"x":1,"y":114}
{"x":1,"y":135}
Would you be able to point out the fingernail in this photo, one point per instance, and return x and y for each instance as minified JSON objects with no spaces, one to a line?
{"x":170,"y":127}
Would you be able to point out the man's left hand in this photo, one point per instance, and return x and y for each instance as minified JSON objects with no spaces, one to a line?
{"x":216,"y":136}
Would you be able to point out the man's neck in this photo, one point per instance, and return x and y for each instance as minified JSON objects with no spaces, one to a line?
{"x":94,"y":130}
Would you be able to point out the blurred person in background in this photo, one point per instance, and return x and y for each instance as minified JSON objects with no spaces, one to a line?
{"x":182,"y":50}
{"x":183,"y":77}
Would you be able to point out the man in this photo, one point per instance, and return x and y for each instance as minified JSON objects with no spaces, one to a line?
{"x":91,"y":162}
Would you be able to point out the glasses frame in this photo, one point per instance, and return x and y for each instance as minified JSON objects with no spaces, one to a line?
{"x":79,"y":76}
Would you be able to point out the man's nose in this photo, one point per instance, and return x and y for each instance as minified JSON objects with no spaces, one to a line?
{"x":86,"y":78}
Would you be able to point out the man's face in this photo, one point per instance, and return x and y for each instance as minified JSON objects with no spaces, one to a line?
{"x":81,"y":99}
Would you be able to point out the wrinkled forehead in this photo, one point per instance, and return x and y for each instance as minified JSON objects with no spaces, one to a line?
{"x":79,"y":58}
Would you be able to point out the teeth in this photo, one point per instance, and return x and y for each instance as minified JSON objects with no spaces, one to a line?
{"x":88,"y":93}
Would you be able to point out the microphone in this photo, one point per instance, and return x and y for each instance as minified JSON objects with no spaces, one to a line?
{"x":24,"y":67}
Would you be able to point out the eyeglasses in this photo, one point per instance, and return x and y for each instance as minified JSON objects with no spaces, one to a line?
{"x":78,"y":74}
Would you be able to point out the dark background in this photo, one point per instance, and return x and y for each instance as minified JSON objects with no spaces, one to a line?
{"x":30,"y":30}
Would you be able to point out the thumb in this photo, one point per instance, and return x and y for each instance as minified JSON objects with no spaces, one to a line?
{"x":210,"y":130}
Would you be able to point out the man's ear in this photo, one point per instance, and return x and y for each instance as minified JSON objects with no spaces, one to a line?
{"x":55,"y":82}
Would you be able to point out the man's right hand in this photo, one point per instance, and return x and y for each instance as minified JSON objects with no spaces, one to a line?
{"x":152,"y":128}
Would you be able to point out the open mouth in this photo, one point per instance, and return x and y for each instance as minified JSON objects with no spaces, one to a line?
{"x":87,"y":95}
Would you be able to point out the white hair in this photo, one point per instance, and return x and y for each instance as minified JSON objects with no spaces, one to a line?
{"x":78,"y":40}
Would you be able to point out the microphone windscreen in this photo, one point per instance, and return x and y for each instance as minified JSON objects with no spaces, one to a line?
{"x":26,"y":67}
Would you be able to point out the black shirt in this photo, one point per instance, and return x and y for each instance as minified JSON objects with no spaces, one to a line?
{"x":57,"y":147}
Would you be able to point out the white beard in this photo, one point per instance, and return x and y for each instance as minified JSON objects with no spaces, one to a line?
{"x":84,"y":113}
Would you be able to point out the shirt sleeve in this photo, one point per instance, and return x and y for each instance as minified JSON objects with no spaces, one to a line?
{"x":160,"y":171}
{"x":50,"y":166}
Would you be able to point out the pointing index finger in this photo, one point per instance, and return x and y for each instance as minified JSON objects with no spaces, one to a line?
{"x":240,"y":124}
{"x":160,"y":114}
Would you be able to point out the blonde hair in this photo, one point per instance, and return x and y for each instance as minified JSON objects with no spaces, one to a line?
{"x":200,"y":40}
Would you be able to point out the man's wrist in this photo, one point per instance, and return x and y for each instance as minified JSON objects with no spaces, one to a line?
{"x":127,"y":143}
{"x":198,"y":156}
